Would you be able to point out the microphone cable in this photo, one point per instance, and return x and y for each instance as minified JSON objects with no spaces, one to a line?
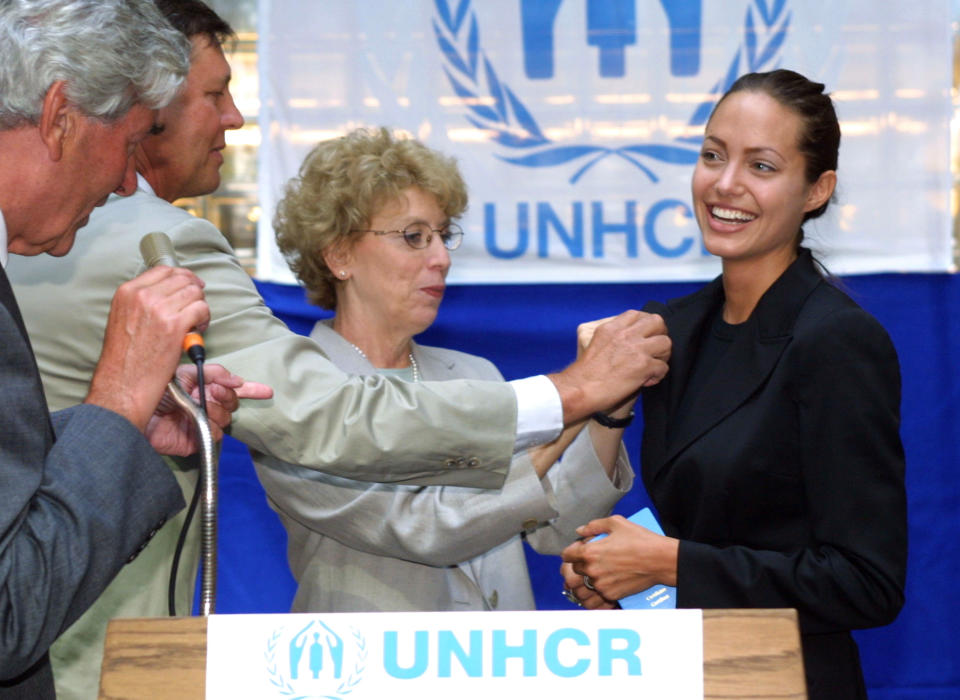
{"x":156,"y":248}
{"x":193,"y":345}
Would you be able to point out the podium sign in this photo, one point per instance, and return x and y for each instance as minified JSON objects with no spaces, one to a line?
{"x":623,"y":654}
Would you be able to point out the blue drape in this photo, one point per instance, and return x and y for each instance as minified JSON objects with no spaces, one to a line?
{"x":529,"y":329}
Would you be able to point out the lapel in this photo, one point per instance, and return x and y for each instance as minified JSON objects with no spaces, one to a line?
{"x":748,"y":363}
{"x":433,"y":366}
{"x":340,"y":351}
{"x":9,"y":301}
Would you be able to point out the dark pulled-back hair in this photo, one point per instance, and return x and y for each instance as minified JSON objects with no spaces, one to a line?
{"x":820,"y":135}
{"x":195,"y":18}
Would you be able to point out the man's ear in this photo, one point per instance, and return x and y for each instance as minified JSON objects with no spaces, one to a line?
{"x":56,"y":119}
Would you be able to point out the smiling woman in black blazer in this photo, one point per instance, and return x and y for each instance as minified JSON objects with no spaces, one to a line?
{"x":772,"y":449}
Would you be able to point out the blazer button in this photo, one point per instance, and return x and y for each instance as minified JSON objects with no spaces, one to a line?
{"x":461,"y":461}
{"x":530,"y":525}
{"x":494,"y":599}
{"x":473,"y":462}
{"x":450,"y":463}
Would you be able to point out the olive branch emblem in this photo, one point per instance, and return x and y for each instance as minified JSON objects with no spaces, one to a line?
{"x":276,"y":678}
{"x":284,"y":687}
{"x":493,"y":107}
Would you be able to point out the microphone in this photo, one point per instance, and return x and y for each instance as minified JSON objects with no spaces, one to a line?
{"x":157,"y":249}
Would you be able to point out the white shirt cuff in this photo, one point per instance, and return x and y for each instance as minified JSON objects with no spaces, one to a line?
{"x":539,"y":412}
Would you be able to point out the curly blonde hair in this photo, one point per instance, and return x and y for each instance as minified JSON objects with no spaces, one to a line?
{"x":342,"y":185}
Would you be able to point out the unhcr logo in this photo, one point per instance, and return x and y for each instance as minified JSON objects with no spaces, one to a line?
{"x":314,"y":661}
{"x":611,"y":28}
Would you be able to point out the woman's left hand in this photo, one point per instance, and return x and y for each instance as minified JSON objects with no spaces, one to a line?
{"x":629,"y":560}
{"x":576,"y":585}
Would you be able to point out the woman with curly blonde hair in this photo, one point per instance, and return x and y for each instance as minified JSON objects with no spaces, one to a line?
{"x":368,"y":227}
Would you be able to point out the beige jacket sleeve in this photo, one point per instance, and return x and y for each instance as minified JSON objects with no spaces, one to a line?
{"x":368,"y":429}
{"x":443,"y":526}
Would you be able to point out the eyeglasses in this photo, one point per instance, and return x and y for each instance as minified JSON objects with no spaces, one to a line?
{"x":419,"y":236}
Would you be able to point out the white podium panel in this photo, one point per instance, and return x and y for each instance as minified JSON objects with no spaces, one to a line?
{"x":439,"y":655}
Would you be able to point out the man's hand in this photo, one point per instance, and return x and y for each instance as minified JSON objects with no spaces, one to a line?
{"x":617,"y":357}
{"x":149,"y":316}
{"x":172,"y":432}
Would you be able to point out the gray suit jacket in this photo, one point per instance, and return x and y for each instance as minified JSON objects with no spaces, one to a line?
{"x":355,"y":546}
{"x":82,"y":493}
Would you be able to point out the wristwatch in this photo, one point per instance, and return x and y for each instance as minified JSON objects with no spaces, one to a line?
{"x":610,"y":422}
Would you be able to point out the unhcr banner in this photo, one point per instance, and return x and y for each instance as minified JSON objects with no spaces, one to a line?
{"x":577,"y":123}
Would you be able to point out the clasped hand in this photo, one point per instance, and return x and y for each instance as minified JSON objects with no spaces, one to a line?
{"x":149,"y":317}
{"x":172,"y":432}
{"x":629,"y":560}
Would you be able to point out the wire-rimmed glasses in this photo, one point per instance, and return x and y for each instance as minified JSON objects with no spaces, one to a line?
{"x":419,"y":236}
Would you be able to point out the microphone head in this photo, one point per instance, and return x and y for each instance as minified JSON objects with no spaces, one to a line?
{"x":157,"y":249}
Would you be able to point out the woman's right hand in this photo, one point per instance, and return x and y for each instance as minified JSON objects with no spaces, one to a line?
{"x":585,"y":333}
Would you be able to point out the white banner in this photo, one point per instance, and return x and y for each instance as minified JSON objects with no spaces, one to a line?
{"x":442,"y":655}
{"x":577,"y":122}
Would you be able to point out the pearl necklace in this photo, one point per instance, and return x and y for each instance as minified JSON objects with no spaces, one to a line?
{"x":413,"y":362}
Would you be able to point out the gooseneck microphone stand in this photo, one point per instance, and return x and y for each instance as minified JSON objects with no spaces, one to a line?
{"x":208,"y":499}
{"x":157,"y":249}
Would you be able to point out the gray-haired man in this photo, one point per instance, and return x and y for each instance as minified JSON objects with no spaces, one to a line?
{"x":81,"y":490}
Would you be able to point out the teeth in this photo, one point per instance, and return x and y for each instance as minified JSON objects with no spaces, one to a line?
{"x":731,"y":214}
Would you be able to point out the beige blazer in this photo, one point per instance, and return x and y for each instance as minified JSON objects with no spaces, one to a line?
{"x":356,"y":546}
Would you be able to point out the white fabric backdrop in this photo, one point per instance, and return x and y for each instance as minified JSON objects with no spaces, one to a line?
{"x":577,"y":127}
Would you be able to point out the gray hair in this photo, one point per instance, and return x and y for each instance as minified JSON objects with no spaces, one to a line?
{"x":112,"y":54}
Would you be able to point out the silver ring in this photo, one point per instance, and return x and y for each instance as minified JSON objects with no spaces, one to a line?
{"x":588,"y":583}
{"x":568,"y":594}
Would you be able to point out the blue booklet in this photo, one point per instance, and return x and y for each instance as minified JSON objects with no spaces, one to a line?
{"x":657,"y":597}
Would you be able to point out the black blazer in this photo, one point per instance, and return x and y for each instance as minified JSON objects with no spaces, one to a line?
{"x":785,"y":482}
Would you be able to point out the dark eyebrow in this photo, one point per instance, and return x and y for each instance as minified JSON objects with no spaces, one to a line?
{"x":765,"y":149}
{"x":753,"y":150}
